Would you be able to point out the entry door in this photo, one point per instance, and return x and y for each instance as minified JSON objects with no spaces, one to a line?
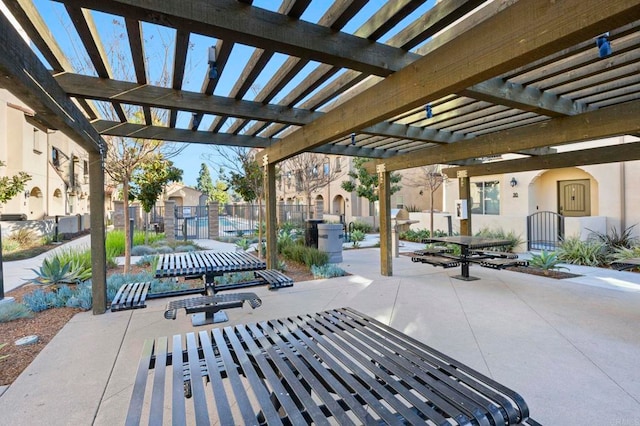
{"x":574,"y":197}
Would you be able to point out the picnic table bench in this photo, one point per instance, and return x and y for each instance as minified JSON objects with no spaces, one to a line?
{"x":626,"y":264}
{"x":204,"y":265}
{"x":206,"y":308}
{"x":334,"y":367}
{"x":472,"y":250}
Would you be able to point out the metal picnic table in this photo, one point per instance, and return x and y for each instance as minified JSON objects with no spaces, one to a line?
{"x":334,"y":367}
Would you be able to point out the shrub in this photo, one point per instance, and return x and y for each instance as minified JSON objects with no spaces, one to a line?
{"x":14,"y":311}
{"x":546,"y":260}
{"x":164,"y":249}
{"x":236,"y":277}
{"x":614,"y":240}
{"x":361,"y":226}
{"x":184,"y":248}
{"x":141,"y":250}
{"x":148,"y":261}
{"x":79,"y":262}
{"x":9,"y":245}
{"x":588,"y":253}
{"x":243,"y":244}
{"x":499,"y":234}
{"x":357,"y":237}
{"x":327,"y":271}
{"x":416,"y":235}
{"x":622,"y":254}
{"x":306,"y":255}
{"x":39,"y":300}
{"x":25,"y":237}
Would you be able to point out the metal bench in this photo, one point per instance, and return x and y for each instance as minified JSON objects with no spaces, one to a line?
{"x":208,"y":309}
{"x":626,"y":264}
{"x":130,"y":296}
{"x":501,"y":263}
{"x":333,"y":367}
{"x":503,"y":254}
{"x":432,"y":251}
{"x":445,"y":262}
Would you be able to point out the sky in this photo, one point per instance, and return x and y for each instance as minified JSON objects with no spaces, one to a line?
{"x":111,"y":29}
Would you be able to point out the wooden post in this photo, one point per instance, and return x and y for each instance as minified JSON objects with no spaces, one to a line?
{"x":271,"y":219}
{"x":98,"y":249}
{"x":384,"y":195}
{"x":464,"y":189}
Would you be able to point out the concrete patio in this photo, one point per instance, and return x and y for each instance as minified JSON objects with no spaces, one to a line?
{"x":569,"y":347}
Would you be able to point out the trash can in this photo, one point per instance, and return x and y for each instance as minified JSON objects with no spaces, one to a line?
{"x":330,"y":239}
{"x":311,"y":232}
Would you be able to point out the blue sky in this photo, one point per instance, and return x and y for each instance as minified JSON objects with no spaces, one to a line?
{"x":111,"y":29}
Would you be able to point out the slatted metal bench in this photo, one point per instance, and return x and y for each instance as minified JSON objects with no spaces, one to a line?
{"x":501,"y":263}
{"x":208,"y":309}
{"x":626,"y":264}
{"x":433,"y":251}
{"x":503,"y":254}
{"x":333,"y":367}
{"x":445,"y":262}
{"x":130,"y":296}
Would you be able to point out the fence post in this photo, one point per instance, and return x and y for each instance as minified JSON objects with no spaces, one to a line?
{"x":214,"y":220}
{"x":169,"y":220}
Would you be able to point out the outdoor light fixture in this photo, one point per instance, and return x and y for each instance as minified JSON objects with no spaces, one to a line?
{"x":213,"y":69}
{"x":196,"y":121}
{"x":26,"y":194}
{"x":604,"y":47}
{"x":353,"y":138}
{"x":429,"y":110}
{"x":514,"y":182}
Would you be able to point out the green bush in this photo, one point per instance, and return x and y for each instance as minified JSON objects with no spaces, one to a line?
{"x":14,"y":311}
{"x":588,"y":253}
{"x":9,"y":246}
{"x":613,"y":240}
{"x":361,"y":226}
{"x":25,"y":237}
{"x":79,"y":262}
{"x":78,"y":296}
{"x":622,"y":254}
{"x":327,"y":271}
{"x":306,"y":255}
{"x":357,"y":237}
{"x":546,"y":260}
{"x":416,"y":235}
{"x":500,"y":234}
{"x":53,"y":272}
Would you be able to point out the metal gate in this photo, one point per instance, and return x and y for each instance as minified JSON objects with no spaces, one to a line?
{"x":545,"y":230}
{"x":192,"y":222}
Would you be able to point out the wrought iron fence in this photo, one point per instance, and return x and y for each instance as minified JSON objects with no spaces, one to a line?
{"x":545,"y":230}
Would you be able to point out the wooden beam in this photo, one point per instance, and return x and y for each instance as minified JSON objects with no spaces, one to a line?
{"x":269,"y":182}
{"x":179,"y":61}
{"x":136,"y":46}
{"x":27,"y":15}
{"x":229,"y":19}
{"x":133,"y":130}
{"x":384,"y":198}
{"x":22,"y":73}
{"x":488,"y":46}
{"x":605,"y":122}
{"x":86,"y":28}
{"x":582,"y":157}
{"x":161,"y":97}
{"x":97,"y":222}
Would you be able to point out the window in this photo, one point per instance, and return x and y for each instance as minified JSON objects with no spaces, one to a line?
{"x":337,"y":167}
{"x":325,"y":169}
{"x":399,"y":202}
{"x":485,"y":197}
{"x":85,"y":171}
{"x":55,"y":157}
{"x":36,"y":142}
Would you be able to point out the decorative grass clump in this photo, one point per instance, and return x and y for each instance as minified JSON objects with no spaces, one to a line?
{"x":14,"y":311}
{"x":588,"y":253}
{"x":306,"y":255}
{"x":327,"y":271}
{"x":546,"y":261}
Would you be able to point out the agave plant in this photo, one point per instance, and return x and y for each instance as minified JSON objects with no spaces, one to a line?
{"x":2,"y":345}
{"x":53,"y":272}
{"x":546,"y":261}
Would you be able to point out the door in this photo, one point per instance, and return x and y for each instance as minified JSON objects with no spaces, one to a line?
{"x":574,"y":197}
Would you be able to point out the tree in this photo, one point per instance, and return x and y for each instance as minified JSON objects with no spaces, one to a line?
{"x":311,"y":173}
{"x":220,"y":193}
{"x":204,"y":183}
{"x":365,"y":184}
{"x":150,"y":180}
{"x":12,"y":186}
{"x":125,"y":155}
{"x":430,"y":178}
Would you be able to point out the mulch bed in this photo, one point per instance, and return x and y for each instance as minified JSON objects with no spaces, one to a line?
{"x":558,"y":275}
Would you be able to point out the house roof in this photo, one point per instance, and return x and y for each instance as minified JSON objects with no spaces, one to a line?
{"x":462,"y":81}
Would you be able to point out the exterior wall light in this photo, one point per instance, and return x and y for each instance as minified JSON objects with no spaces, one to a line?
{"x":513,"y":182}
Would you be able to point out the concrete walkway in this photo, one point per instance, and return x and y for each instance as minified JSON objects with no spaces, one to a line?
{"x":570,"y":347}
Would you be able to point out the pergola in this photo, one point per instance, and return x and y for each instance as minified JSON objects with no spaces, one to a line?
{"x":466,"y":80}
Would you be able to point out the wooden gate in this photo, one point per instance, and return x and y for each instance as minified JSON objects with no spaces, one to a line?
{"x":545,"y":230}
